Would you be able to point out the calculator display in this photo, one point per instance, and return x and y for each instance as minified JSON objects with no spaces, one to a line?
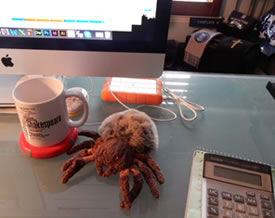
{"x":236,"y":188}
{"x":237,"y":175}
{"x":238,"y":172}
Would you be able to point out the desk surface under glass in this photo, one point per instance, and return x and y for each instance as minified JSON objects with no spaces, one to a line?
{"x":239,"y":120}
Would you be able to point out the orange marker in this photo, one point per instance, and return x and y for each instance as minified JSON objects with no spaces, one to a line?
{"x":43,"y":20}
{"x":30,"y":19}
{"x":56,"y":20}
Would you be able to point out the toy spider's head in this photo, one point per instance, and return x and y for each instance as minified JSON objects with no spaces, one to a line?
{"x":134,"y":126}
{"x":115,"y":153}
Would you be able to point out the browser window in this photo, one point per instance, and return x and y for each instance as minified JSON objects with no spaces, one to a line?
{"x":87,"y":19}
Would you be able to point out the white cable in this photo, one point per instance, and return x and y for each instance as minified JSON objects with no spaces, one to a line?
{"x":190,"y":105}
{"x":155,"y":106}
{"x":92,"y":87}
{"x":162,"y":108}
{"x":179,"y":100}
{"x":113,"y":94}
{"x":90,"y":92}
{"x":93,"y":124}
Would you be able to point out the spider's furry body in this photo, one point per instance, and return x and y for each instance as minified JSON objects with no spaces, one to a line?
{"x":123,"y":143}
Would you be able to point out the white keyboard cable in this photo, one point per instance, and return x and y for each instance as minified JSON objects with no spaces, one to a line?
{"x":139,"y":106}
{"x":179,"y":100}
{"x":154,"y":106}
{"x":188,"y":104}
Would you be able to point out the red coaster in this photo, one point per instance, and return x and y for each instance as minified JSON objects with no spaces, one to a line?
{"x":49,"y":151}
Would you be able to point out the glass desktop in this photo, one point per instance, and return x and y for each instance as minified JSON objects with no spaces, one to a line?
{"x":238,"y":120}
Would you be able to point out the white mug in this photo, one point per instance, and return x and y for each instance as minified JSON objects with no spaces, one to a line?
{"x":42,"y":111}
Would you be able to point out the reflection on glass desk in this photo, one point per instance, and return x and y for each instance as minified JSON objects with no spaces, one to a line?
{"x":239,"y":119}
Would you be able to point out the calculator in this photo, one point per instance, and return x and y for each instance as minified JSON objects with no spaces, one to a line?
{"x":235,"y":188}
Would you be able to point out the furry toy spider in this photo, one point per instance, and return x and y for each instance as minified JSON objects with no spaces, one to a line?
{"x":124,"y":142}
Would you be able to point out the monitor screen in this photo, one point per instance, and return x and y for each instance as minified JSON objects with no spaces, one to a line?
{"x":85,"y":37}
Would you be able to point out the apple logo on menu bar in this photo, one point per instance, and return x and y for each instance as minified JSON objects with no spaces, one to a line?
{"x":7,"y":61}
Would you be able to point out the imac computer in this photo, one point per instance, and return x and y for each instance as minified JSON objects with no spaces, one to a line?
{"x":121,"y":38}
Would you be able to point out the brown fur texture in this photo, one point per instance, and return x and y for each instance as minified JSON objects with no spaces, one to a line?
{"x":136,"y":127}
{"x":124,"y":142}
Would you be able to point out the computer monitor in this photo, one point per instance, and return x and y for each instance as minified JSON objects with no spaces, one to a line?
{"x":117,"y":38}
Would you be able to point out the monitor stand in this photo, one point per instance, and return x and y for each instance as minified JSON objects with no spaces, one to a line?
{"x":7,"y":83}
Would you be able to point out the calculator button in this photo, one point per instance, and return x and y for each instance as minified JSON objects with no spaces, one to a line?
{"x":213,"y":201}
{"x":251,"y":201}
{"x":253,"y":211}
{"x":265,"y":197}
{"x":213,"y":192}
{"x":251,"y":194}
{"x":240,"y":208}
{"x":238,"y":198}
{"x":267,"y":214}
{"x":227,"y":204}
{"x":227,"y":214}
{"x":226,"y":195}
{"x":213,"y":211}
{"x":240,"y":215}
{"x":266,"y":205}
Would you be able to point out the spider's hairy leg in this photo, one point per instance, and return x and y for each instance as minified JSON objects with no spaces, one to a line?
{"x":109,"y":171}
{"x":153,"y":165}
{"x":74,"y":164}
{"x":82,"y":153}
{"x":124,"y":188}
{"x":68,"y":163}
{"x":89,"y":133}
{"x":98,"y":166}
{"x":148,"y":176}
{"x":138,"y":183}
{"x":80,"y":146}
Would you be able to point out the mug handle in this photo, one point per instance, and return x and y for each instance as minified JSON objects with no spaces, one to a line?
{"x":80,"y":93}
